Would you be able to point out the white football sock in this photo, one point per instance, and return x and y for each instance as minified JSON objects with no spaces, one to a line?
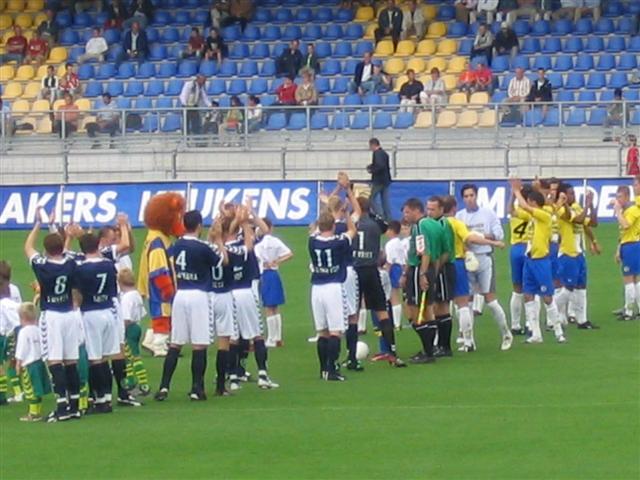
{"x":561,"y":299}
{"x":466,"y":326}
{"x":533,"y":319}
{"x":580,"y":296}
{"x":478,"y":302}
{"x":516,"y":309}
{"x":638,"y":296}
{"x":396,"y":310}
{"x":629,"y":298}
{"x":278,"y":331}
{"x":362,"y":320}
{"x":271,"y":330}
{"x":572,"y":306}
{"x":500,"y":317}
{"x":554,"y":318}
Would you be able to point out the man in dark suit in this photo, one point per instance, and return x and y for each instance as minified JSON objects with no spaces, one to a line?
{"x":380,"y":179}
{"x":290,"y":61}
{"x":362,"y":75}
{"x":310,"y":61}
{"x":389,"y":23}
{"x":541,"y":91}
{"x":49,"y":29}
{"x":136,"y":45}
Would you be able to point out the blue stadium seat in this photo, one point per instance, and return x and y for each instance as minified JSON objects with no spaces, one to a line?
{"x":200,"y":17}
{"x":297,"y":121}
{"x":85,"y":71}
{"x":613,"y":9}
{"x":382,"y":120}
{"x":162,"y":18}
{"x":340,"y":121}
{"x":343,"y":49}
{"x":143,"y":103}
{"x":606,"y":62}
{"x":565,"y":96}
{"x":164,"y":103}
{"x":372,"y":99}
{"x":354,"y":31}
{"x":573,"y":45}
{"x":587,"y":96}
{"x":542,"y":61}
{"x":456,"y":30}
{"x":146,"y":70}
{"x":312,"y":32}
{"x":616,"y":44}
{"x":105,"y":71}
{"x":124,"y":103}
{"x":349,"y":67}
{"x":541,"y":28}
{"x":606,"y":96}
{"x":278,"y":49}
{"x":584,"y":62}
{"x":172,"y":123}
{"x":82,"y":20}
{"x":126,"y":70}
{"x":231,"y":33}
{"x":112,"y":36}
{"x":532,"y":118}
{"x":166,"y":70}
{"x":352,"y":100}
{"x":154,"y":88}
{"x":634,"y":44}
{"x":322,"y":84}
{"x":262,"y":15}
{"x":323,"y":15}
{"x":551,"y":45}
{"x":69,"y":37}
{"x":237,"y":87}
{"x":268,"y":69}
{"x":556,"y":80}
{"x":530,"y":45}
{"x":323,"y":49}
{"x":268,"y":100}
{"x":330,"y":100}
{"x":505,"y":82}
{"x":170,"y":35}
{"x":150,"y":123}
{"x":597,"y":117}
{"x":520,"y":61}
{"x":498,"y":96}
{"x":635,"y":117}
{"x":344,"y":16}
{"x":403,"y":121}
{"x":216,"y":86}
{"x":340,"y":85}
{"x":275,"y":84}
{"x":260,"y":50}
{"x":248,"y":68}
{"x":277,"y":121}
{"x":157,"y":52}
{"x":224,"y":102}
{"x":64,"y":19}
{"x":576,"y":117}
{"x":596,"y":80}
{"x":93,"y":89}
{"x":115,"y":88}
{"x":182,"y":17}
{"x":283,"y":15}
{"x":208,"y":68}
{"x":258,"y":86}
{"x":552,"y":118}
{"x":291,"y":32}
{"x":174,"y":87}
{"x":583,"y":27}
{"x":330,"y":67}
{"x":521,"y":27}
{"x":319,"y":121}
{"x":594,"y":45}
{"x":304,"y":15}
{"x":618,"y":80}
{"x":562,"y":27}
{"x":631,"y":95}
{"x":239,"y":51}
{"x":446,"y":12}
{"x":604,"y":26}
{"x":251,"y":33}
{"x":627,"y":61}
{"x":134,"y":88}
{"x":564,"y":63}
{"x":271,"y":33}
{"x":75,"y":52}
{"x":574,"y":81}
{"x":152,"y":35}
{"x":175,"y":52}
{"x":333,"y":32}
{"x":228,"y":69}
{"x":360,"y":121}
{"x":364,"y":47}
{"x":86,"y":35}
{"x":393,"y":101}
{"x":500,"y":63}
{"x":625,"y":26}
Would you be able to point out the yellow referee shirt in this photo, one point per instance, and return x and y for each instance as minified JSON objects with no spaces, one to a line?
{"x":541,"y":236}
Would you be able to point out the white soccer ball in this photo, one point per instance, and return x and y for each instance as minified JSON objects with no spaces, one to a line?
{"x":362,"y":351}
{"x":471,"y":262}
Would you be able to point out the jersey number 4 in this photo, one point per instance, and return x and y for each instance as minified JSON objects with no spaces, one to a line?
{"x":327,"y":254}
{"x":181,"y":260}
{"x":521,"y":229}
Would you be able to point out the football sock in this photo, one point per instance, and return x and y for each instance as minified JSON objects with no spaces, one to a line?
{"x":561,"y":298}
{"x":233,"y":359}
{"x":94,"y":382}
{"x":533,"y":319}
{"x":427,"y":334}
{"x":464,"y":318}
{"x":141,"y":372}
{"x":333,"y":352}
{"x":581,"y":305}
{"x":629,"y":298}
{"x":515,"y":305}
{"x":260,"y":353}
{"x":59,"y":386}
{"x":107,"y":380}
{"x":271,"y":329}
{"x":445,"y":326}
{"x":362,"y":320}
{"x":386,"y":327}
{"x":118,"y":365}
{"x":571,"y":306}
{"x":321,"y":348}
{"x":352,"y":341}
{"x":553,"y":317}
{"x":396,"y":310}
{"x":478,"y":302}
{"x":538,"y":303}
{"x":73,"y":386}
{"x":198,"y":366}
{"x":245,"y":346}
{"x":130,"y":374}
{"x":499,"y":315}
{"x":14,"y":380}
{"x":3,"y":388}
{"x":170,"y":364}
{"x":278,"y":319}
{"x":35,"y":407}
{"x":221,"y":368}
{"x":83,"y":403}
{"x":638,"y":296}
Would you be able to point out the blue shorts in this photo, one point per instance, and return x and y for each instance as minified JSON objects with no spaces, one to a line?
{"x":572,"y":271}
{"x":395,"y":273}
{"x":537,"y":279}
{"x":462,"y":281}
{"x":271,"y":289}
{"x":554,"y":247}
{"x":518,"y":255}
{"x":630,"y":258}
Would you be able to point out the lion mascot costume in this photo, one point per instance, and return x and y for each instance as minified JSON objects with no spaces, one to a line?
{"x":163,"y":217}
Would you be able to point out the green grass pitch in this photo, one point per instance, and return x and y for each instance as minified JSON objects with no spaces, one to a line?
{"x":548,"y":411}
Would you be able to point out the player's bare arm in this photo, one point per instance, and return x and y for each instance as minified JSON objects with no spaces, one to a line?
{"x":30,"y":242}
{"x":124,"y":245}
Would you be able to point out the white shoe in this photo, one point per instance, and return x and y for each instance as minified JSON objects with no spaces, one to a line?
{"x":460,"y":340}
{"x":561,"y":339}
{"x":16,"y":398}
{"x":234,"y":386}
{"x":265,"y":383}
{"x":313,"y":339}
{"x":507,"y":341}
{"x":533,"y":340}
{"x":245,"y":378}
{"x":270,"y":344}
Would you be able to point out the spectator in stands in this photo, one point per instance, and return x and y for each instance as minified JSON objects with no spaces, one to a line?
{"x":49,"y":86}
{"x":489,"y":7}
{"x":380,"y":180}
{"x":95,"y":48}
{"x":466,"y":11}
{"x":389,"y":23}
{"x":136,"y":45}
{"x":212,"y":120}
{"x":82,"y":5}
{"x":140,"y":12}
{"x":413,"y":22}
{"x":435,"y":92}
{"x":107,"y":121}
{"x":567,"y":9}
{"x":363,"y":73}
{"x":215,"y":48}
{"x":310,"y":61}
{"x":633,"y":156}
{"x":484,"y":78}
{"x":506,"y":41}
{"x":306,"y":93}
{"x":519,"y":87}
{"x":117,"y":14}
{"x":234,"y":117}
{"x":286,"y":93}
{"x":48,"y":29}
{"x":380,"y":81}
{"x":240,"y":11}
{"x":219,"y":13}
{"x":290,"y":61}
{"x":254,"y":114}
{"x":69,"y":82}
{"x":66,"y":117}
{"x":195,"y":46}
{"x":410,"y":92}
{"x":616,"y":113}
{"x":16,"y":47}
{"x":467,"y":80}
{"x":586,"y":7}
{"x":635,"y":78}
{"x":483,"y":44}
{"x":194,"y":97}
{"x":524,"y":8}
{"x":541,"y":91}
{"x":37,"y":50}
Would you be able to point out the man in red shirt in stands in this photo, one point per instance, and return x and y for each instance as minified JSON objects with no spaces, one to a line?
{"x":70,"y":83}
{"x":37,"y":50}
{"x":484,"y":78}
{"x":195,"y":47}
{"x":287,"y":95}
{"x":16,"y":47}
{"x":633,"y":157}
{"x":467,"y":80}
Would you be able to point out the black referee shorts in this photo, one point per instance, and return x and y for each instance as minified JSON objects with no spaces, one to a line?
{"x":371,"y":289}
{"x":446,"y":283}
{"x":413,"y":292}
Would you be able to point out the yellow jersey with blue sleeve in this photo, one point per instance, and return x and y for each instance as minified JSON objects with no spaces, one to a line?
{"x":555,"y":226}
{"x":632,"y":233}
{"x":571,"y":233}
{"x":460,"y":234}
{"x":518,"y":224}
{"x":541,"y":233}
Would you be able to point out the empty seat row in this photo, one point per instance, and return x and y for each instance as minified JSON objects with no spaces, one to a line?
{"x":572,"y":117}
{"x":564,"y":63}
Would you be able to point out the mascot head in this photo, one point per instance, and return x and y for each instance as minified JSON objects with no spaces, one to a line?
{"x":164,"y":213}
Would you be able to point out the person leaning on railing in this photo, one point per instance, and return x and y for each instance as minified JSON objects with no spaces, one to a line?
{"x":66,"y":117}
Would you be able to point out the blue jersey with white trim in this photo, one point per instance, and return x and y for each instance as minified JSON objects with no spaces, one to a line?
{"x":245,"y":265}
{"x":223,"y":275}
{"x":97,"y":281}
{"x":194,"y":261}
{"x":329,"y":258}
{"x":341,"y":227}
{"x":55,"y":278}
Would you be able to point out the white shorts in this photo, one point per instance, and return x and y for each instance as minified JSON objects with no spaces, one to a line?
{"x":59,"y":335}
{"x":483,"y":280}
{"x":351,"y":292}
{"x":119,"y":321}
{"x":255,"y":286}
{"x":248,"y":313}
{"x":192,"y":318}
{"x":224,"y":321}
{"x":101,"y":333}
{"x":329,"y":304}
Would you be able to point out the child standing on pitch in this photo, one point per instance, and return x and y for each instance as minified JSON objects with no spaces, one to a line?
{"x":29,"y":364}
{"x":271,"y":252}
{"x":396,"y":254}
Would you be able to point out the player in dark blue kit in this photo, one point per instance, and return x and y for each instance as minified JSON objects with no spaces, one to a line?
{"x":329,"y":255}
{"x":192,"y":313}
{"x":58,"y":327}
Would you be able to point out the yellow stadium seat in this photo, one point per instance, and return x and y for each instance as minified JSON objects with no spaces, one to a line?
{"x":5,"y":21}
{"x":28,"y":34}
{"x":23,"y":20}
{"x":20,"y":107}
{"x":42,"y":71}
{"x":44,"y":124}
{"x":450,"y":82}
{"x":40,"y":107}
{"x":405,"y":48}
{"x":437,"y":62}
{"x":12,"y":90}
{"x":83,"y":104}
{"x":424,"y":120}
{"x":446,"y":119}
{"x":458,"y":98}
{"x":25,"y":72}
{"x":437,"y":30}
{"x":84,"y":122}
{"x":61,"y":70}
{"x":58,"y":103}
{"x":40,"y":17}
{"x":6,"y":72}
{"x":457,"y":65}
{"x":478,"y":100}
{"x":365,"y":14}
{"x":3,"y":5}
{"x":57,"y":55}
{"x":429,"y":12}
{"x":34,"y":6}
{"x":423,"y":79}
{"x":426,"y":47}
{"x":6,"y":35}
{"x":394,"y":65}
{"x":369,"y":32}
{"x":15,"y":5}
{"x":384,"y":48}
{"x":447,"y":47}
{"x":23,"y":121}
{"x":488,"y":118}
{"x":398,"y":82}
{"x":31,"y":91}
{"x":417,"y":64}
{"x":468,"y":119}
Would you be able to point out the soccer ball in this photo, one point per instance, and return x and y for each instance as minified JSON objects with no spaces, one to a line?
{"x":471,"y":262}
{"x":362,"y":351}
